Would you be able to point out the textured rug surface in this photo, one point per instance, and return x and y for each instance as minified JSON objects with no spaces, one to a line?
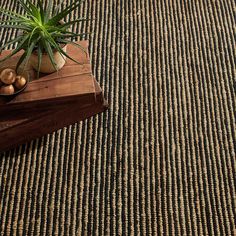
{"x":161,"y":161}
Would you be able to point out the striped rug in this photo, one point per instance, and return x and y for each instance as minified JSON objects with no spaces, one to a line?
{"x":162,"y":160}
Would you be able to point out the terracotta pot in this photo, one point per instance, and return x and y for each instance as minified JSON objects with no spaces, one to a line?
{"x":46,"y":65}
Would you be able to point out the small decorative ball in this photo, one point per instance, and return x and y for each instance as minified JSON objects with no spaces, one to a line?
{"x":8,"y":76}
{"x":20,"y":82}
{"x":7,"y":89}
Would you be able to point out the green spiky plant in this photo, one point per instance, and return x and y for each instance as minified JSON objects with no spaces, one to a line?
{"x":41,"y":30}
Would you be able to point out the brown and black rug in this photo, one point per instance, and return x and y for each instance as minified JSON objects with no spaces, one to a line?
{"x":162,"y":160}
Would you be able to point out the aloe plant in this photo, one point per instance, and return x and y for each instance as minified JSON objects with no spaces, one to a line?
{"x":41,"y":30}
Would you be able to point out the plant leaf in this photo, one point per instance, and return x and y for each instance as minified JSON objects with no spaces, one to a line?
{"x":35,"y":11}
{"x":32,"y":33}
{"x":48,"y":49}
{"x":25,"y":7}
{"x":16,"y":21}
{"x":29,"y":51}
{"x":48,"y":10}
{"x":66,"y":25}
{"x":16,"y":27}
{"x":67,"y":34}
{"x":41,"y":10}
{"x":56,"y":10}
{"x":60,"y":50}
{"x":73,"y":43}
{"x":11,"y":42}
{"x":39,"y":59}
{"x":22,"y":58}
{"x":12,"y":14}
{"x":16,"y":50}
{"x":54,"y":20}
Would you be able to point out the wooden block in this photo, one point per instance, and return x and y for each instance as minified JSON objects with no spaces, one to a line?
{"x":50,"y":102}
{"x":51,"y":93}
{"x":69,"y":83}
{"x":23,"y":127}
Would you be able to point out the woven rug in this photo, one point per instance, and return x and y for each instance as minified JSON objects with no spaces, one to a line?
{"x":162,"y":160}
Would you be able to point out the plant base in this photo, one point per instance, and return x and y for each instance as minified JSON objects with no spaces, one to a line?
{"x":46,"y":64}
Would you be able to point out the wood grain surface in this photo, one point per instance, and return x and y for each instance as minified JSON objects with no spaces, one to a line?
{"x":72,"y":81}
{"x":18,"y":128}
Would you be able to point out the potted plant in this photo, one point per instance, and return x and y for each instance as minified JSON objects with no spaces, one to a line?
{"x":43,"y":34}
